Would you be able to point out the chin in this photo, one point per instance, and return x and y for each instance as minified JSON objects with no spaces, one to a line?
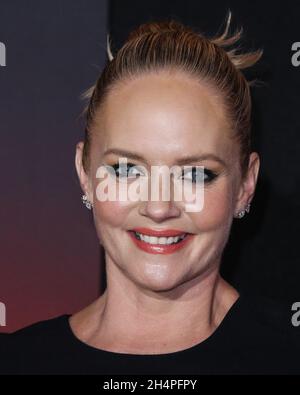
{"x":158,"y":278}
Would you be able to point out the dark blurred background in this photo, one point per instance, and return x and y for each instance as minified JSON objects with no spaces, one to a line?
{"x":50,"y":258}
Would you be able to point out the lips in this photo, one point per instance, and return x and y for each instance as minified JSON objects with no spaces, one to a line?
{"x":159,"y":248}
{"x":159,"y":233}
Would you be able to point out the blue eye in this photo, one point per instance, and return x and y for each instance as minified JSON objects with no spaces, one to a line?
{"x":197,"y":175}
{"x":128,"y":170}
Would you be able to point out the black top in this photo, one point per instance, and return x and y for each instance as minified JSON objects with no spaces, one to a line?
{"x":255,"y":337}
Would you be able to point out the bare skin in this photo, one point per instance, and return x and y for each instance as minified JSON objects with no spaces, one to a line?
{"x":153,"y":303}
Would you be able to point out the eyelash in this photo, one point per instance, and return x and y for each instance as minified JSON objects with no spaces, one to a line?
{"x":209,"y":173}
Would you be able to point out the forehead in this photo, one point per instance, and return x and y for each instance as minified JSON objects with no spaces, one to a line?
{"x":164,"y":113}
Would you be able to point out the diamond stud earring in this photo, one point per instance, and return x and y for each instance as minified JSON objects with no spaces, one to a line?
{"x":86,"y":202}
{"x":242,"y":213}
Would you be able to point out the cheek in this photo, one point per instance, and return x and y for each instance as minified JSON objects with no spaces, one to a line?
{"x":111,"y":213}
{"x":107,"y":217}
{"x":216,"y":212}
{"x":112,"y":210}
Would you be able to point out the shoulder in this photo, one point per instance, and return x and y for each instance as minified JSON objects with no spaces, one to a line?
{"x":272,"y":314}
{"x":39,"y":330}
{"x":269,"y":332}
{"x":28,"y":345}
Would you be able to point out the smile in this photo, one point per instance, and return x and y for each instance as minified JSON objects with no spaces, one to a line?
{"x":165,"y":244}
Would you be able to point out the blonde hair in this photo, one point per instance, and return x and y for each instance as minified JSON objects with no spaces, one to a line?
{"x":169,"y":44}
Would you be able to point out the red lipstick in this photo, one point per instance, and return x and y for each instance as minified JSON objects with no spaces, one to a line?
{"x":160,"y":248}
{"x":159,"y":233}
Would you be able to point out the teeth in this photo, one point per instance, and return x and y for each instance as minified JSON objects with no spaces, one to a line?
{"x":159,"y":240}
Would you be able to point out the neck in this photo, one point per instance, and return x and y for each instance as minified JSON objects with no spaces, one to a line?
{"x":131,"y":319}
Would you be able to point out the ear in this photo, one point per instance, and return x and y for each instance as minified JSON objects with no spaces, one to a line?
{"x":84,"y":178}
{"x":248,"y":185}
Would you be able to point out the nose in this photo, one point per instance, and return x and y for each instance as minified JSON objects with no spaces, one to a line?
{"x":160,"y":209}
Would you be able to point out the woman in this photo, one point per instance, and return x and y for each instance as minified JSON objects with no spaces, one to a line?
{"x":170,"y":96}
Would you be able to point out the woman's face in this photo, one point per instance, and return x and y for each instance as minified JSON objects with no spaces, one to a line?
{"x":162,"y":118}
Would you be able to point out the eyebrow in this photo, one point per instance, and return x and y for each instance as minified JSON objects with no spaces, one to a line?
{"x":181,"y":161}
